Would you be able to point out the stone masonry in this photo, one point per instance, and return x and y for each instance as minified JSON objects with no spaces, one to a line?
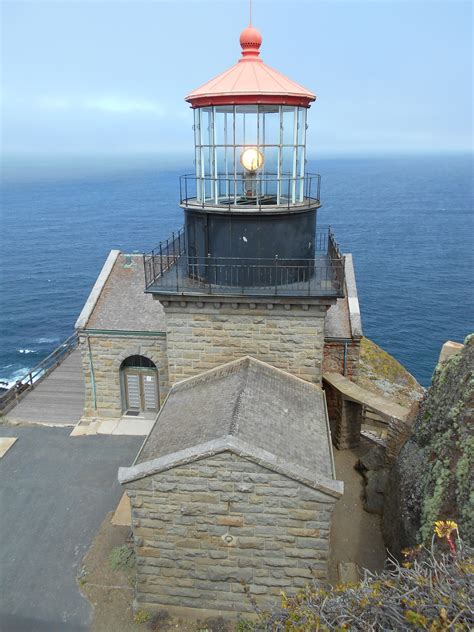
{"x":345,"y":419}
{"x":333,"y":360}
{"x":205,"y":529}
{"x":290,"y":337}
{"x":102,"y":355}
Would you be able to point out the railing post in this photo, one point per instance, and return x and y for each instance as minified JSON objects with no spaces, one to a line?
{"x":276,"y":274}
{"x":161,"y":260}
{"x":177,"y":276}
{"x":209,"y":272}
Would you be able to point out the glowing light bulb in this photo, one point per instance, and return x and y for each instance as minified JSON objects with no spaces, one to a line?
{"x":251,"y":159}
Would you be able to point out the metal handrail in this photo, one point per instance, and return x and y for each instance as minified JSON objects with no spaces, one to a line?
{"x":31,"y":378}
{"x":230,"y":192}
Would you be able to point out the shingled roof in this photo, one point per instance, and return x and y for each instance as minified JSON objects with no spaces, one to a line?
{"x":250,"y":408}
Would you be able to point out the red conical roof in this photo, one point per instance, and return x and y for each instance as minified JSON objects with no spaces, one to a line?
{"x":250,"y":81}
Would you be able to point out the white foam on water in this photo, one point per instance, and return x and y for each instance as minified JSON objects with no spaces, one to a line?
{"x":9,"y":381}
{"x":27,"y":351}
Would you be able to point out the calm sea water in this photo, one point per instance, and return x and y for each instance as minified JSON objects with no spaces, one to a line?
{"x":408,"y":222}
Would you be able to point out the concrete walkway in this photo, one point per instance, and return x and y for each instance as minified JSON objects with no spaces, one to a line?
{"x":54,"y":494}
{"x":384,"y":406}
{"x":355,"y":535}
{"x":58,"y":399}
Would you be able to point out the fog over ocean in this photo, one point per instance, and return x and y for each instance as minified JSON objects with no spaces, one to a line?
{"x":407,"y":220}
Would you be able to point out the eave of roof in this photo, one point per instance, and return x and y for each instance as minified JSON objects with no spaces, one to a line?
{"x":232,"y":444}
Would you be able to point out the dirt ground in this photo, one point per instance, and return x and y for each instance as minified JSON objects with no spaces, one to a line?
{"x":355,"y":537}
{"x":110,"y":592}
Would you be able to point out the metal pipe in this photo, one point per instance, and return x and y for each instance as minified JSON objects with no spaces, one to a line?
{"x":91,"y":369}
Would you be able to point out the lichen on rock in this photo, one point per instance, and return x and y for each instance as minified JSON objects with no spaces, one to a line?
{"x":380,"y":373}
{"x":432,"y":477}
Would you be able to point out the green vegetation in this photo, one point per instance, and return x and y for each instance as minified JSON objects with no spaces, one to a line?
{"x":432,"y":590}
{"x":443,"y":431}
{"x":379,"y":372}
{"x":141,"y":616}
{"x":122,"y":558}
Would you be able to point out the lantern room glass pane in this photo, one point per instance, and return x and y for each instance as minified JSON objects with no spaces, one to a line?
{"x":206,"y":126}
{"x":288,"y":121}
{"x":301,"y":126}
{"x":287,"y":158}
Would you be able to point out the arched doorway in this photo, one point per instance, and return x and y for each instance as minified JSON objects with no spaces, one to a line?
{"x":140,"y":391}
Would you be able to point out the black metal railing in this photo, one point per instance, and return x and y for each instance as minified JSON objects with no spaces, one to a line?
{"x":10,"y":397}
{"x":170,"y":269}
{"x":247,"y":191}
{"x":166,"y":254}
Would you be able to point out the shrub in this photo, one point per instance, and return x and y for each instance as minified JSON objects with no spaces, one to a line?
{"x":122,"y":558}
{"x":432,"y":590}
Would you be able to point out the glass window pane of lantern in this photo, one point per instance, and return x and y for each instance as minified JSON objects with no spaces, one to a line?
{"x":206,"y":126}
{"x":271,"y":115}
{"x":301,"y":126}
{"x":287,"y":157}
{"x":288,"y":116}
{"x":197,"y":130}
{"x":206,"y":153}
{"x":271,"y":162}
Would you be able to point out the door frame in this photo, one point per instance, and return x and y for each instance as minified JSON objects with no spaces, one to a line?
{"x":141,"y":373}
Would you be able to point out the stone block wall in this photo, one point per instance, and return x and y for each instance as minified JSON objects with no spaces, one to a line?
{"x":333,"y":358}
{"x":102,"y":355}
{"x":202,"y":529}
{"x":345,"y":419}
{"x":288,"y":337}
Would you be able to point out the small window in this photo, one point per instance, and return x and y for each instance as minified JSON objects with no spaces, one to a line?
{"x":138,"y":362}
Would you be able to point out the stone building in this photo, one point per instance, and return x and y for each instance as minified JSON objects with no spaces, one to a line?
{"x":120,"y":321}
{"x":229,"y":325}
{"x":234,"y":485}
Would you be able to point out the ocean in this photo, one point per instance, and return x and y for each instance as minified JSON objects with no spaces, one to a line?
{"x":407,"y":220}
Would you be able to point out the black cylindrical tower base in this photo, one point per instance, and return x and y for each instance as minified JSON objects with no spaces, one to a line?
{"x":250,"y":249}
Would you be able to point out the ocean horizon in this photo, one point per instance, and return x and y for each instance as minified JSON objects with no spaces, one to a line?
{"x":406,"y":219}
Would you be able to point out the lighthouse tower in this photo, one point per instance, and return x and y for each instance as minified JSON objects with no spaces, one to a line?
{"x":251,"y":272}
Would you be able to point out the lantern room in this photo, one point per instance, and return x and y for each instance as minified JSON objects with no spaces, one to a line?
{"x":250,"y":208}
{"x":250,"y":137}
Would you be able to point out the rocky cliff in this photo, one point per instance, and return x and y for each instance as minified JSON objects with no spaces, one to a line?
{"x":433,"y":474}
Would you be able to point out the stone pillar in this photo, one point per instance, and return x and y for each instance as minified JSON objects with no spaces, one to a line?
{"x":345,"y":419}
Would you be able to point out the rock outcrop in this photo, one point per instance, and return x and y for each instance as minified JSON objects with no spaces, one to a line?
{"x":432,"y":476}
{"x":380,"y":373}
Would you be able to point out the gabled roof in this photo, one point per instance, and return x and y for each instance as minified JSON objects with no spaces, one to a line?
{"x":250,"y":408}
{"x":250,"y":81}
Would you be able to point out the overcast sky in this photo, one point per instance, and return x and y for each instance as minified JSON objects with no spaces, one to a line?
{"x":99,"y":77}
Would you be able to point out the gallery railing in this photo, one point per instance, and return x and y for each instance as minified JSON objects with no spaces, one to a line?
{"x":250,"y":191}
{"x":170,"y":269}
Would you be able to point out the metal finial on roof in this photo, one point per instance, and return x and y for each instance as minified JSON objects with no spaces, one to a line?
{"x":250,"y":41}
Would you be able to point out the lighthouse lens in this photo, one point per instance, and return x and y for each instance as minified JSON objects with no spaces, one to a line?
{"x":251,"y":159}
